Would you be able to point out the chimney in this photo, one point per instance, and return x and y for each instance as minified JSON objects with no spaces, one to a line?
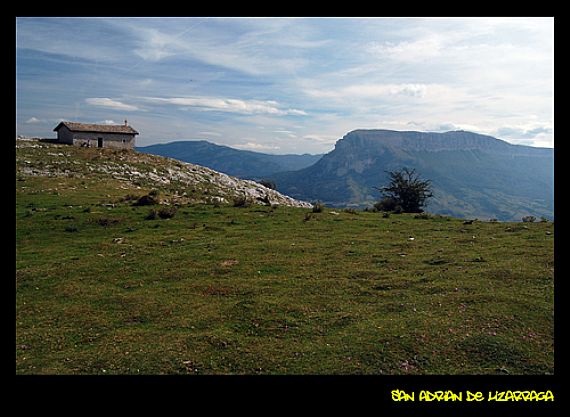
{"x":126,"y":122}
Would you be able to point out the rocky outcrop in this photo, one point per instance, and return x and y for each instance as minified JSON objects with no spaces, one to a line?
{"x":42,"y":159}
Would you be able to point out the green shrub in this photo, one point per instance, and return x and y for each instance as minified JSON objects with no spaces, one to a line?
{"x":167,"y":212}
{"x":386,"y":204}
{"x":163,"y":213}
{"x":318,"y":207}
{"x":146,"y":200}
{"x":529,"y":219}
{"x":150,"y":199}
{"x":105,"y":221}
{"x":406,"y":190}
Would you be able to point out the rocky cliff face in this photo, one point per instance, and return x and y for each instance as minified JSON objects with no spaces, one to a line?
{"x":378,"y":140}
{"x":473,"y":175}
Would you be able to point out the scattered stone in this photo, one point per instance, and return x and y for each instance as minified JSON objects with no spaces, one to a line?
{"x":157,"y":172}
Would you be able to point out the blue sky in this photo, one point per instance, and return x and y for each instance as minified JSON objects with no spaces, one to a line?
{"x":287,"y":85}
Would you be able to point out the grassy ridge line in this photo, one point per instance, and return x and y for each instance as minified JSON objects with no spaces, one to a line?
{"x":260,"y":290}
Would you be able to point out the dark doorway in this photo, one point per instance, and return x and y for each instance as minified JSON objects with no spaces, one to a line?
{"x":99,"y":142}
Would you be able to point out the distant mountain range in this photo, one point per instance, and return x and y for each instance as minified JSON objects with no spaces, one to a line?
{"x":239,"y":163}
{"x":472,"y":175}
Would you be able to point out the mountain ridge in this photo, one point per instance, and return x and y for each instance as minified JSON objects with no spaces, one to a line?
{"x":231,"y":161}
{"x":436,"y":141}
{"x":473,"y":175}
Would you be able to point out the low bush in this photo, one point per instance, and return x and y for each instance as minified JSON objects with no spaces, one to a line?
{"x":163,"y":213}
{"x":149,"y":199}
{"x":167,"y":212}
{"x":318,"y":207}
{"x":105,"y":221}
{"x":386,"y":204}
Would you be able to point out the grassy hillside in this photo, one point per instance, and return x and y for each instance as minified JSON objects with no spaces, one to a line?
{"x":270,"y":290}
{"x":179,"y":182}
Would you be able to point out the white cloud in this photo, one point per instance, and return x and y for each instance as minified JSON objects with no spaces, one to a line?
{"x":229,"y":105}
{"x":450,"y":126}
{"x":486,"y":75}
{"x":110,"y":103}
{"x":287,"y":133}
{"x":296,"y":112}
{"x":321,"y":138}
{"x":251,"y":51}
{"x":410,"y":51}
{"x":255,"y":146}
{"x":208,"y":133}
{"x":523,"y":132}
{"x":527,"y":133}
{"x":371,"y":90}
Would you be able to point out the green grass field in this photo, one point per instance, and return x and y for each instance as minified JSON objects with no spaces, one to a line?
{"x":262,"y":290}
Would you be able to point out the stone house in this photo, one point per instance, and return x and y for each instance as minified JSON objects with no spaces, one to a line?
{"x":97,"y":136}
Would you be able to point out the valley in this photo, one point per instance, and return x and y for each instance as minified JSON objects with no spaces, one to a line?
{"x":473,"y":175}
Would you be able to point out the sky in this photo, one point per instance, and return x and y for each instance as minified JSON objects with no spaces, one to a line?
{"x":287,"y":85}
